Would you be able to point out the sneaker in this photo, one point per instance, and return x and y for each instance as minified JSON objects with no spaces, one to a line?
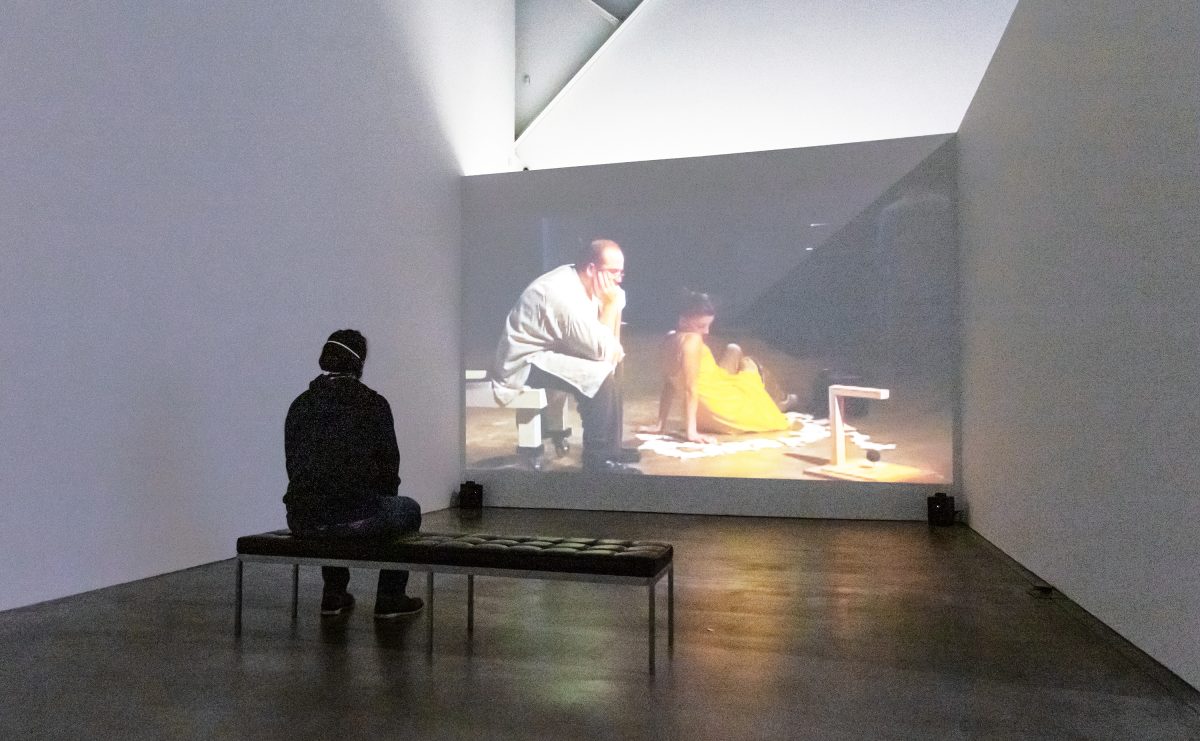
{"x":387,"y":608}
{"x":337,"y":603}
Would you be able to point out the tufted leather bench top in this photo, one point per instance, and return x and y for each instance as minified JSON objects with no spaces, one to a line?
{"x":606,"y":557}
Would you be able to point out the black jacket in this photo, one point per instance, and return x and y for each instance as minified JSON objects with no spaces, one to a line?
{"x":340,"y":444}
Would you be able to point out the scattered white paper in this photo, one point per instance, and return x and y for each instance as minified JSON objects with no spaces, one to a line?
{"x":805,"y":430}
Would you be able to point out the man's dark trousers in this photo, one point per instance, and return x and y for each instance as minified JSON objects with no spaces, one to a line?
{"x":600,"y":414}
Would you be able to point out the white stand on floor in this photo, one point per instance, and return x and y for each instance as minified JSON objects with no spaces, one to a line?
{"x":860,"y":470}
{"x":837,"y":410}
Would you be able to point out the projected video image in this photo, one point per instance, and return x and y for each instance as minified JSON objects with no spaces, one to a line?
{"x":783,"y":315}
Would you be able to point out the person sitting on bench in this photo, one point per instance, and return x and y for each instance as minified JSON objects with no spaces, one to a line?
{"x":343,"y":472}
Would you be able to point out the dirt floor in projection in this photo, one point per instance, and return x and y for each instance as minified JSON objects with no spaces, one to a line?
{"x":917,"y":422}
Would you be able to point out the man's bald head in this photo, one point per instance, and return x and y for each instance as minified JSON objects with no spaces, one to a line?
{"x":595,"y":253}
{"x":601,"y":267}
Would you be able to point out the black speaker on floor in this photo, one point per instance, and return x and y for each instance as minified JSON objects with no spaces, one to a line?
{"x":470,"y":496}
{"x":940,"y":508}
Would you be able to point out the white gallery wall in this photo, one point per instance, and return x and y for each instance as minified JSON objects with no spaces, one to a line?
{"x":194,"y":196}
{"x":1080,"y":210}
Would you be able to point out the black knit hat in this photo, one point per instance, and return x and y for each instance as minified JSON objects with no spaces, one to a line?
{"x":344,"y":352}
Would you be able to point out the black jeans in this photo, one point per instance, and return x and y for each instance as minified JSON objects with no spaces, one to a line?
{"x":600,"y":414}
{"x":395,"y":516}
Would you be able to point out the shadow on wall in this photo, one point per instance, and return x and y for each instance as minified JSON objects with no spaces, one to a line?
{"x":879,"y":295}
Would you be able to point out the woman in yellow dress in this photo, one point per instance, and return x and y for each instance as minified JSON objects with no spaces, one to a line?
{"x":726,"y":396}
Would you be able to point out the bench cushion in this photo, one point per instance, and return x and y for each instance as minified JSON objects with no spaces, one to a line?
{"x":605,"y":557}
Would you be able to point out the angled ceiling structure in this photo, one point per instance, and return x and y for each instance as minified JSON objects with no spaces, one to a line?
{"x":686,"y":78}
{"x":554,"y":39}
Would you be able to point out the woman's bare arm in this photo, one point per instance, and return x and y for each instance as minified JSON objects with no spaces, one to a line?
{"x":691,"y":346}
{"x":666,"y":397}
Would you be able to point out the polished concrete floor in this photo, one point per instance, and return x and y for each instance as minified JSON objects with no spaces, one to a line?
{"x":785,"y":629}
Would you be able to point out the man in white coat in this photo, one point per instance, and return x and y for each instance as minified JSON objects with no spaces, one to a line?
{"x":564,"y":334}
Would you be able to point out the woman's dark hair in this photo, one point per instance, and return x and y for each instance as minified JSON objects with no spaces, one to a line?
{"x":344,"y":352}
{"x":694,"y":303}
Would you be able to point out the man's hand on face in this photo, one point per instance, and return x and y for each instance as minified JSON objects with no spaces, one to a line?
{"x":608,"y":290}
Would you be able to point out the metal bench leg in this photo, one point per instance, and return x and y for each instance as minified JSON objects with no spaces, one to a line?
{"x":470,"y":604}
{"x":237,"y":613}
{"x":295,"y":589}
{"x":237,"y":610}
{"x":429,"y":613}
{"x":650,"y":591}
{"x":670,"y":607}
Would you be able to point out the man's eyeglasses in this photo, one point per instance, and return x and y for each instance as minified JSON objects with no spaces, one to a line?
{"x":614,"y":272}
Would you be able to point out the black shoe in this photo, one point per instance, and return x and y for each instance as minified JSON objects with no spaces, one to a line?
{"x":337,"y":603}
{"x":607,"y":466}
{"x":625,"y":455}
{"x":387,"y":608}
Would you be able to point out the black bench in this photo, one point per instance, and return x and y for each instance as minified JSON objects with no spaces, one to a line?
{"x":475,"y":554}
